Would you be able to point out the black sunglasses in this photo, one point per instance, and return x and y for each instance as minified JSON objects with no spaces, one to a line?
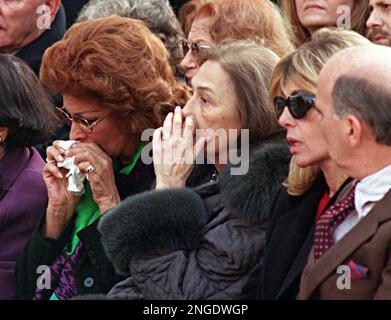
{"x":195,"y":48}
{"x":298,"y":104}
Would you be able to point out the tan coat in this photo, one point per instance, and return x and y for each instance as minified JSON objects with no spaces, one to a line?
{"x":367,"y":244}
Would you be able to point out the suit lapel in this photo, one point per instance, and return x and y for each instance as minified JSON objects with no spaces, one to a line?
{"x":302,"y":257}
{"x":337,"y":254}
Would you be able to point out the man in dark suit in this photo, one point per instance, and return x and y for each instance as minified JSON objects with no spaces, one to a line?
{"x":177,"y":4}
{"x":351,"y":256}
{"x":28,"y":28}
{"x":72,"y":10}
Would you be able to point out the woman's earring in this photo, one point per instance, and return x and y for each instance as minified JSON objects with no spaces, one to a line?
{"x":1,"y":140}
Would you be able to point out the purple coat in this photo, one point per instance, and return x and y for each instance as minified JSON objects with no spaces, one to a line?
{"x":23,"y":198}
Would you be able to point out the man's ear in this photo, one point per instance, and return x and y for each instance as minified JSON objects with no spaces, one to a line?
{"x":54,"y":6}
{"x":354,"y":130}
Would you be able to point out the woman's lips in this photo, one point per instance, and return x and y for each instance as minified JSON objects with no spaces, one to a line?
{"x":292,"y":140}
{"x":313,"y":6}
{"x":293,"y":144}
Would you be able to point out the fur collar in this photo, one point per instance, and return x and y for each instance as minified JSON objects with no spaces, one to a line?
{"x":155,"y":223}
{"x":250,"y":195}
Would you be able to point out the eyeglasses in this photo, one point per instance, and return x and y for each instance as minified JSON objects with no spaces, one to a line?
{"x":298,"y":104}
{"x":86,"y":124}
{"x":195,"y":48}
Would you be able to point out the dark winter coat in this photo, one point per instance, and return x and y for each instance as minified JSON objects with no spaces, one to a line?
{"x":72,"y":10}
{"x":289,"y":242}
{"x":197,"y":243}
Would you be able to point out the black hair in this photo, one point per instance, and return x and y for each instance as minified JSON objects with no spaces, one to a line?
{"x":25,"y":107}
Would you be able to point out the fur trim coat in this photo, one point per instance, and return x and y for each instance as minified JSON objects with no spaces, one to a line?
{"x":199,"y":243}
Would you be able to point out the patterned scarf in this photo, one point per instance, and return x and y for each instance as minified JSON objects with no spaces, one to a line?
{"x":63,"y":270}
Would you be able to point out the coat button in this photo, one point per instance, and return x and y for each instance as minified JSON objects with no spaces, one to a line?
{"x":88,"y":282}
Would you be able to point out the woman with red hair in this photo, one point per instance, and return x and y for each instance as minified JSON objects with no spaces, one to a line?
{"x":116,"y":80}
{"x":218,"y":21}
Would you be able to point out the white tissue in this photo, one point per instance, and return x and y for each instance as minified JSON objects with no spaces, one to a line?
{"x":75,"y":177}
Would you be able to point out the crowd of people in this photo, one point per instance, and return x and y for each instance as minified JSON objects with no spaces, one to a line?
{"x":202,"y":149}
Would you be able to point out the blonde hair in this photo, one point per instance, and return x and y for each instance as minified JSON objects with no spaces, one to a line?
{"x":360,"y":14}
{"x":303,"y":67}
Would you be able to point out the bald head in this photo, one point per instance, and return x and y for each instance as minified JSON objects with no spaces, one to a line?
{"x":372,"y":62}
{"x":368,"y":66}
{"x":354,"y":99}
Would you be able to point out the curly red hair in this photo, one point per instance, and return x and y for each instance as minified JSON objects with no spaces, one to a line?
{"x":260,"y":21}
{"x":119,"y":63}
{"x":186,"y":14}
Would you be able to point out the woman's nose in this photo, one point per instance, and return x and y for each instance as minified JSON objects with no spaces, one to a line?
{"x":187,"y":109}
{"x":77,"y":132}
{"x":189,"y":62}
{"x":286,"y":119}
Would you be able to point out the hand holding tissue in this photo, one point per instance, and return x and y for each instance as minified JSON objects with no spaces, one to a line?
{"x":75,"y":177}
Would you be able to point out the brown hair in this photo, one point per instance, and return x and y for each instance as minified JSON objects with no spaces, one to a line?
{"x":121,"y":64}
{"x":249,"y":67}
{"x":303,"y":67}
{"x":360,"y":15}
{"x":260,"y":21}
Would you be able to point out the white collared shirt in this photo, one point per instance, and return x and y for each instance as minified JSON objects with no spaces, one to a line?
{"x":368,"y":192}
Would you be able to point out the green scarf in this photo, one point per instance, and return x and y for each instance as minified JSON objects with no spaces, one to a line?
{"x":87,"y":211}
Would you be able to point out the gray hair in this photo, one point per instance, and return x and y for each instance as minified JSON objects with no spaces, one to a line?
{"x":157,"y":15}
{"x":249,"y":65}
{"x":366,"y":100}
